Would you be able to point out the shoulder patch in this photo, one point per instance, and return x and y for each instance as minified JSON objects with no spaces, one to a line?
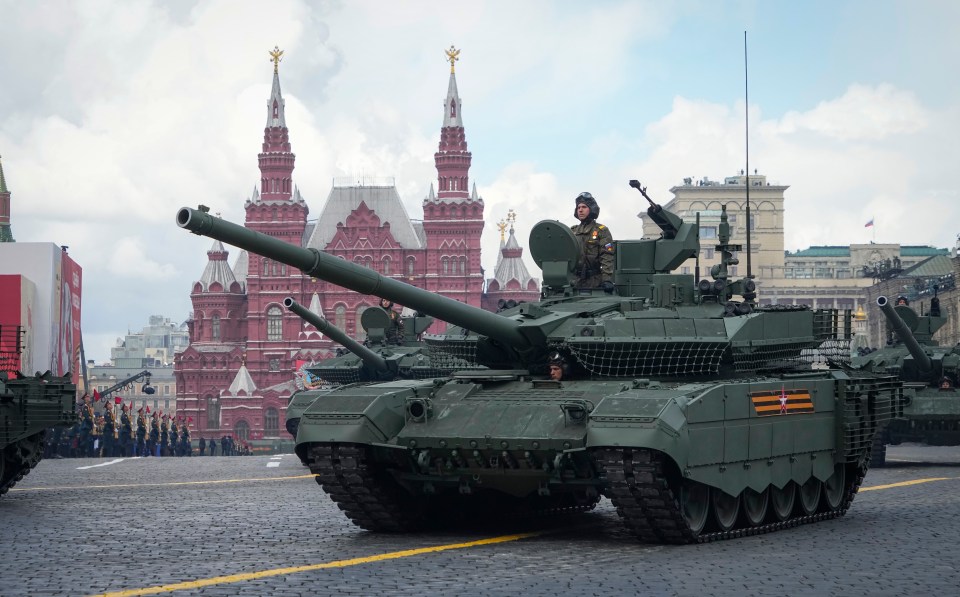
{"x":601,"y":226}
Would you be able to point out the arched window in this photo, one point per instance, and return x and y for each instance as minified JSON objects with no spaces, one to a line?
{"x":340,"y":317}
{"x":453,"y":108}
{"x":276,"y":109}
{"x":215,"y":325}
{"x":274,"y":323}
{"x":266,"y":267}
{"x":463,"y":265}
{"x":411,"y":262}
{"x":242,"y":430}
{"x":446,"y":265}
{"x":271,"y":422}
{"x":386,"y":266}
{"x":213,"y":413}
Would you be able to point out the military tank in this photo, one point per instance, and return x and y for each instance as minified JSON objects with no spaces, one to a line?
{"x":392,"y":350}
{"x":28,"y":407}
{"x":694,"y":413}
{"x":929,"y":412}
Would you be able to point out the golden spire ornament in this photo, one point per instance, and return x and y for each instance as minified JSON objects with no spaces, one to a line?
{"x":502,"y":226}
{"x":276,"y":55}
{"x":453,"y":55}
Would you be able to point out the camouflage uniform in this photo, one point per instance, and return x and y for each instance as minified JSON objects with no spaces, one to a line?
{"x":595,"y":262}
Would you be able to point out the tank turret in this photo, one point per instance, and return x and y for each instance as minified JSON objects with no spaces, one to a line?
{"x":905,"y":334}
{"x":375,"y":362}
{"x":929,"y":409}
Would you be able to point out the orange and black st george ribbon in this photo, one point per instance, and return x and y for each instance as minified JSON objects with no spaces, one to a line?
{"x":782,"y":402}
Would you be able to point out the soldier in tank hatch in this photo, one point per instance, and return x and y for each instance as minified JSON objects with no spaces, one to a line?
{"x":595,"y":265}
{"x":557,"y":367}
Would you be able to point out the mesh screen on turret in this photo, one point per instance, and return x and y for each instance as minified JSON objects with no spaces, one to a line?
{"x":653,"y":359}
{"x":449,"y":354}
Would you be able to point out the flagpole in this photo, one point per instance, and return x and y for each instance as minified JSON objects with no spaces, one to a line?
{"x":874,"y":220}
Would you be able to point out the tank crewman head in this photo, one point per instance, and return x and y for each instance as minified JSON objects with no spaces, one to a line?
{"x":902,"y":300}
{"x":946,"y":383}
{"x":557,"y":366}
{"x":586,"y":209}
{"x":386,"y":303}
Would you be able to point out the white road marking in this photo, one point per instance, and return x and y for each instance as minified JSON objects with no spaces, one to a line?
{"x":272,"y":464}
{"x":276,"y":457}
{"x":80,"y":468}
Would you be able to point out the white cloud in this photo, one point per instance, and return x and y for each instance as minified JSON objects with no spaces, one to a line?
{"x":863,"y":113}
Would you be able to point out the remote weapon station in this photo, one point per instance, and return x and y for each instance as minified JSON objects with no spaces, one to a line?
{"x":694,"y":413}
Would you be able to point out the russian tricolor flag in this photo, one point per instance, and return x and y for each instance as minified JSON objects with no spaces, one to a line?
{"x":868,"y":224}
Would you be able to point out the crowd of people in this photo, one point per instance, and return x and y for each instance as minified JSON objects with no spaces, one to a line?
{"x":106,"y":434}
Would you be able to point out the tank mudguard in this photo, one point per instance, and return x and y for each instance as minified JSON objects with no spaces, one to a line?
{"x":359,"y":414}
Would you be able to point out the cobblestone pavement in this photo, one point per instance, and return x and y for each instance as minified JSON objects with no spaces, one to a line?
{"x":142,"y":523}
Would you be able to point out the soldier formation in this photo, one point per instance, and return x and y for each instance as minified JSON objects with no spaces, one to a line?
{"x":107,"y":434}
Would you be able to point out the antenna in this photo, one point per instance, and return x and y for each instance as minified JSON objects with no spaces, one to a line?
{"x":746,"y":113}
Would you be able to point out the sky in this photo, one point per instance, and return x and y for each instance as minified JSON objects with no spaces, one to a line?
{"x":113,"y":114}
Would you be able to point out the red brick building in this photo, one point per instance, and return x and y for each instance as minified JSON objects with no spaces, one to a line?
{"x":236,"y":375}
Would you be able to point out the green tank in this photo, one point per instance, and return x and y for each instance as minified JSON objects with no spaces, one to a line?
{"x":28,"y":407}
{"x":929,"y":412}
{"x":697,"y":415}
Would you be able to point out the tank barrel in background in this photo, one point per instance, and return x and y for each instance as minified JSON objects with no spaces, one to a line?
{"x":370,"y":358}
{"x":354,"y":277}
{"x":924,"y":364}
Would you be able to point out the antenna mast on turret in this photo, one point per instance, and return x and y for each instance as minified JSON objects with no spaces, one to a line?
{"x":746,"y":109}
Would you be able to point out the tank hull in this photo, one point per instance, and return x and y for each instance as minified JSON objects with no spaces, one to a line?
{"x":569,"y":442}
{"x":28,"y":407}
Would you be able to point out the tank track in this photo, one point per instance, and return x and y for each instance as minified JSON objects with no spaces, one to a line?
{"x":365,"y":493}
{"x":373,"y":499}
{"x":17,"y":465}
{"x":637,"y":485}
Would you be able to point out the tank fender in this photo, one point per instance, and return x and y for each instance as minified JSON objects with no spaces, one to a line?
{"x":360,"y":414}
{"x":646,"y":418}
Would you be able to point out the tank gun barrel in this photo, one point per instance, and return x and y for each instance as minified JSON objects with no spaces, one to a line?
{"x":369,"y":357}
{"x":924,"y":364}
{"x":354,"y":277}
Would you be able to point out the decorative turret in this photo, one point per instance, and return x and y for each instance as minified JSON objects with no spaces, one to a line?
{"x":277,"y":208}
{"x":511,"y":282}
{"x":453,"y":217}
{"x":6,"y":235}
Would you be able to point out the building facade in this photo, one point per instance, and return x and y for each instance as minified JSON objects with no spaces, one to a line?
{"x":236,"y":376}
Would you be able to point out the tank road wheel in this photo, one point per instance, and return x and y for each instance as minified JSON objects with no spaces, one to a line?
{"x":755,"y":505}
{"x":835,"y":487}
{"x":783,"y":500}
{"x":809,"y":494}
{"x":725,"y":509}
{"x":695,"y":504}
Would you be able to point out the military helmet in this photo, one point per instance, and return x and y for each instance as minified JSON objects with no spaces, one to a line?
{"x":588,"y":200}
